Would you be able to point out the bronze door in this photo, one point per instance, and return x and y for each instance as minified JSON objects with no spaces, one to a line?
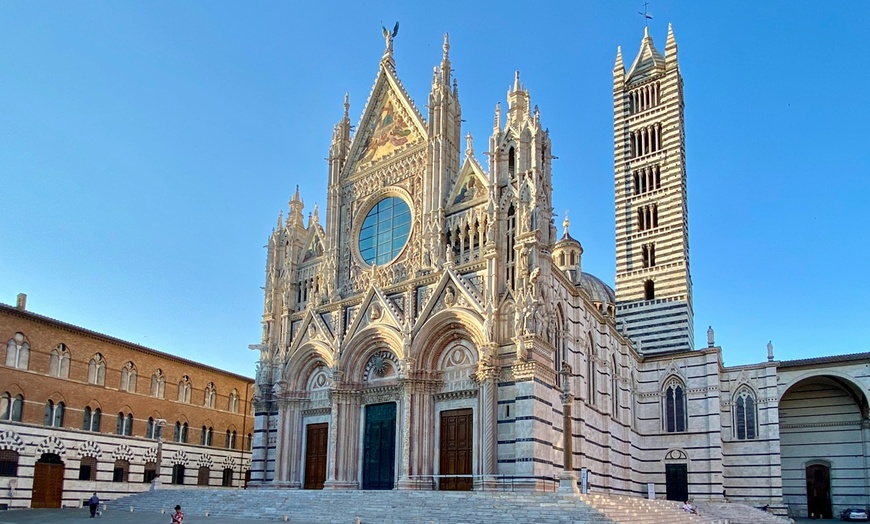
{"x":379,"y":446}
{"x":819,"y":492}
{"x":47,"y":482}
{"x":315,"y":456}
{"x":457,"y":443}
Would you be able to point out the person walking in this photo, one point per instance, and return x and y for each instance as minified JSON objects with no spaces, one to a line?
{"x":178,"y":516}
{"x":93,"y":504}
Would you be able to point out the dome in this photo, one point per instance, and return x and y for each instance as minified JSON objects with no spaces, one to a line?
{"x":597,"y":290}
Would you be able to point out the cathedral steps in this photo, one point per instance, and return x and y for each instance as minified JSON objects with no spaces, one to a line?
{"x":404,"y":507}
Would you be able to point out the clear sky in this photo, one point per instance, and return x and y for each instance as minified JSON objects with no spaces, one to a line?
{"x":147,"y":147}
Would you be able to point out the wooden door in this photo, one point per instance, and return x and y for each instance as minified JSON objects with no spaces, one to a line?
{"x":677,"y":482}
{"x":818,"y":492}
{"x":315,"y":455}
{"x":47,"y":482}
{"x":456,"y":449}
{"x":379,"y":446}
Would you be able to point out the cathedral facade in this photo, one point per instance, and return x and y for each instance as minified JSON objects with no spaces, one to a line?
{"x":438,"y":332}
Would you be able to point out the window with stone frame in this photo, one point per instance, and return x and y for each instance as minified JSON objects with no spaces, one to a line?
{"x":121,"y":471}
{"x":8,"y":463}
{"x":149,"y":472}
{"x":674,"y":406}
{"x":91,"y":420}
{"x":209,"y":395}
{"x":53,"y":414}
{"x":18,"y":352}
{"x":88,"y":468}
{"x":227,"y":478}
{"x":11,"y":407}
{"x":97,"y":370}
{"x":58,"y":362}
{"x":129,"y":376}
{"x":233,"y":402}
{"x":203,"y":475}
{"x":178,"y":474}
{"x":184,"y":388}
{"x":124,"y":424}
{"x":745,"y":427}
{"x":158,"y":384}
{"x":591,"y":372}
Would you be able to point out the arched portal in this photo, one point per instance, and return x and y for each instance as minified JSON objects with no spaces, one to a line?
{"x":47,"y":482}
{"x":823,"y":445}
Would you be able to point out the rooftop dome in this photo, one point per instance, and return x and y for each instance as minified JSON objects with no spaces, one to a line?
{"x":597,"y":290}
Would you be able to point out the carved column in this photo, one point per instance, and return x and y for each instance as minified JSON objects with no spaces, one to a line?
{"x":293,"y":443}
{"x":568,"y":479}
{"x":418,"y":434}
{"x":282,"y":442}
{"x":487,"y":377}
{"x":405,"y":459}
{"x":343,"y":449}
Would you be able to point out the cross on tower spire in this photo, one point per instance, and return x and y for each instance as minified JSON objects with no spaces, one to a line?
{"x":646,"y":16}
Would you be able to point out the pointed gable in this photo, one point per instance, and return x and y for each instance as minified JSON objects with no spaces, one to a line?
{"x":390,"y":124}
{"x":649,"y":61}
{"x":470,"y":188}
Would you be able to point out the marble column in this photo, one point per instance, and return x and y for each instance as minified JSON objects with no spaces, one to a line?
{"x":344,"y":435}
{"x":487,"y":399}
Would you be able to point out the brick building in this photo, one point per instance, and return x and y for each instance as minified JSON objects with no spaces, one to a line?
{"x":84,"y":412}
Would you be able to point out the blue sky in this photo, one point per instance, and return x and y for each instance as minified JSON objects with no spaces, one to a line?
{"x":146,"y":149}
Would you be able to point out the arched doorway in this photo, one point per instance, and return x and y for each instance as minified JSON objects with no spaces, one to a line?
{"x":47,"y":482}
{"x":818,"y":491}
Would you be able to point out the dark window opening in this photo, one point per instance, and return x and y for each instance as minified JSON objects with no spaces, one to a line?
{"x":88,"y":468}
{"x":649,"y":292}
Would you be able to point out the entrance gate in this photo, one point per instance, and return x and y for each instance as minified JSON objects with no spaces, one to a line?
{"x":677,"y":482}
{"x":819,"y":492}
{"x":47,"y":482}
{"x":379,"y":446}
{"x":457,"y":436}
{"x":315,"y":456}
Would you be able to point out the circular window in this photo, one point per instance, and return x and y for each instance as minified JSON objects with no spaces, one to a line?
{"x":385,"y":231}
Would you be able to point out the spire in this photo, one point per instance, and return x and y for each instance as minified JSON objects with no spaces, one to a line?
{"x":517,"y":85}
{"x":346,"y":106}
{"x":445,"y":62}
{"x":619,"y":67}
{"x":315,"y":216}
{"x":496,"y":124}
{"x":296,"y":206}
{"x":280,"y":220}
{"x":671,"y":45}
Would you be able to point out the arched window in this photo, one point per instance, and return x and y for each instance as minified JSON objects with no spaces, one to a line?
{"x":18,"y":351}
{"x":91,"y":420}
{"x":591,"y":386}
{"x":614,"y":387}
{"x":744,"y":415}
{"x":97,"y":370}
{"x":11,"y":407}
{"x":675,"y":406}
{"x":158,"y":383}
{"x":58,"y":362}
{"x":180,"y":432}
{"x":184,"y":388}
{"x":510,"y":255}
{"x":128,"y":377}
{"x":124,"y":424}
{"x":53,"y":414}
{"x":151,"y":428}
{"x":205,"y":437}
{"x":149,"y":472}
{"x":512,"y":162}
{"x":233,"y":402}
{"x":209,"y":395}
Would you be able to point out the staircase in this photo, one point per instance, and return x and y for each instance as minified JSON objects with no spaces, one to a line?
{"x":408,"y":507}
{"x":740,"y":513}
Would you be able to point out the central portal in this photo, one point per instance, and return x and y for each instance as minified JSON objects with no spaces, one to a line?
{"x":379,"y":446}
{"x":457,"y":437}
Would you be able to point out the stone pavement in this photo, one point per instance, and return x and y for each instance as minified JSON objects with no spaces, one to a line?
{"x":82,"y":516}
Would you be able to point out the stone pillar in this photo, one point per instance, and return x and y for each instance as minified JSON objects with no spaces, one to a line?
{"x":487,"y":399}
{"x":568,"y":479}
{"x":344,"y":432}
{"x":292,"y":444}
{"x":418,"y":434}
{"x":281,"y":460}
{"x":405,"y":437}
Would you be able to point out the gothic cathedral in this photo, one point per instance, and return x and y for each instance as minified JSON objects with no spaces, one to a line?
{"x":437,"y":332}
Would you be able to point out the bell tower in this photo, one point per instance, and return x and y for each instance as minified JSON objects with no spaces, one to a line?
{"x":653,"y":281}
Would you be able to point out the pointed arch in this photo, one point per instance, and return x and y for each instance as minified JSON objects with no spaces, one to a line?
{"x":58,"y":361}
{"x":97,"y":370}
{"x":674,"y":415}
{"x":744,"y":413}
{"x":18,"y":351}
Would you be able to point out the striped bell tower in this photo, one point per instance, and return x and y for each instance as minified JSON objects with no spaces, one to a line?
{"x":653,"y":282}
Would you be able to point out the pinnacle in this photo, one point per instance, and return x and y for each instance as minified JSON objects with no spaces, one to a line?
{"x":517,"y":81}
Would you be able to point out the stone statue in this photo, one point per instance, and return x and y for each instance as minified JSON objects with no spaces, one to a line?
{"x":388,"y":38}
